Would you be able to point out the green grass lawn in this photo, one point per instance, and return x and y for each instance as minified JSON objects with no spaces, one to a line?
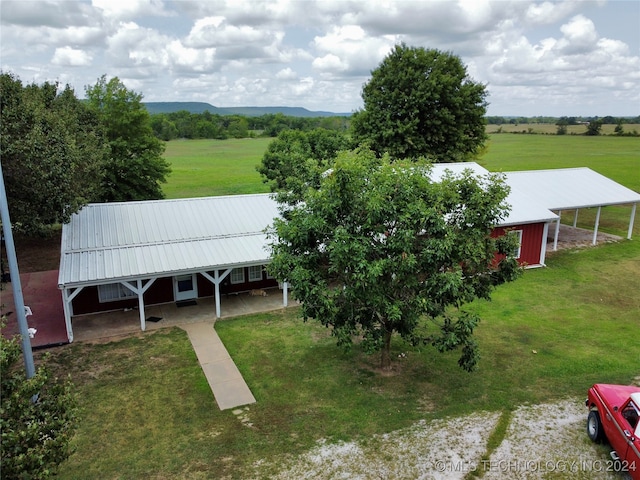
{"x":202,"y":168}
{"x":147,"y":410}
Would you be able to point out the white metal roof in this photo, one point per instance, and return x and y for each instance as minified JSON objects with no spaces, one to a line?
{"x":524,"y":209}
{"x":129,"y":240}
{"x":570,"y":188}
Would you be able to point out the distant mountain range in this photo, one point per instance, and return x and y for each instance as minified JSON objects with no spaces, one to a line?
{"x":200,"y":107}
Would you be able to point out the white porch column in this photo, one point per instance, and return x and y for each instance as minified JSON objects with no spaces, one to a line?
{"x":633,"y":216}
{"x":143,"y":318}
{"x":217,"y":280}
{"x":67,"y":307}
{"x":285,"y":294}
{"x":216,"y":288}
{"x":139,"y":290}
{"x":555,"y":238}
{"x":595,"y":229}
{"x":543,"y":248}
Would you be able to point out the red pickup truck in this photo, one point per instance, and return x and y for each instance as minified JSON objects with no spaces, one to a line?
{"x":613,"y":415}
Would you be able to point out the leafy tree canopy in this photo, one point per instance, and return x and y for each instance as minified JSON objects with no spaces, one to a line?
{"x":53,"y":153}
{"x":422,"y":103}
{"x":296,"y":160}
{"x":35,"y":435}
{"x":136,"y":167}
{"x":378,"y":248}
{"x":594,"y":127}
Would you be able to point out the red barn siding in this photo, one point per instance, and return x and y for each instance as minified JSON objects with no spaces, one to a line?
{"x":161,"y":291}
{"x":532,"y":238}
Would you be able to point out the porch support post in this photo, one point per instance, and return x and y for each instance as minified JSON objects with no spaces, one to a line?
{"x":143,"y":319}
{"x":633,"y":216}
{"x":217,"y":280}
{"x":67,"y":306}
{"x":216,"y":287}
{"x":543,"y":247}
{"x":555,"y":238}
{"x":575,"y":218}
{"x":595,"y":229}
{"x":139,"y":290}
{"x":285,"y":294}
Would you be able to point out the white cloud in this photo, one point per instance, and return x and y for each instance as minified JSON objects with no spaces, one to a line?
{"x":70,"y":57}
{"x":130,"y":9}
{"x":580,"y":35}
{"x":286,"y":74}
{"x":348,"y":49}
{"x":318,"y":53}
{"x":215,"y":32}
{"x":133,"y":45}
{"x":191,"y":59}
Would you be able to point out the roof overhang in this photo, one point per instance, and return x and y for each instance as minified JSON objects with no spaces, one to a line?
{"x":571,"y":188}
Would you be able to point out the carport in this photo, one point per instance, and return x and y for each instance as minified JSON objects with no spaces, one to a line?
{"x":566,"y":189}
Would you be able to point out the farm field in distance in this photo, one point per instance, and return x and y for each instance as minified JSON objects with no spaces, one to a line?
{"x":227,"y":167}
{"x":551,"y":129}
{"x":202,"y":168}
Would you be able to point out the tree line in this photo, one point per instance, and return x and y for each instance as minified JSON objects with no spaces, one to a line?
{"x":207,"y":125}
{"x":59,"y":152}
{"x":184,"y":124}
{"x":564,"y":120}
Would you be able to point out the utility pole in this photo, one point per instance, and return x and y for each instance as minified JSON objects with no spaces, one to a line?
{"x":18,"y":299}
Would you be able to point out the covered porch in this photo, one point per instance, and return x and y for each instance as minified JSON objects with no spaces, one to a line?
{"x":111,"y":325}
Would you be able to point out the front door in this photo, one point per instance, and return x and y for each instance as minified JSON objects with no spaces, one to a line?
{"x":185,"y":287}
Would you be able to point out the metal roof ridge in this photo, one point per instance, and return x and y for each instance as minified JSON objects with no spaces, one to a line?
{"x":163,"y":242}
{"x":551,"y":170}
{"x":177,"y":200}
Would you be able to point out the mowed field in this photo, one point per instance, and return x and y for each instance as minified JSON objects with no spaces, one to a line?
{"x":228,"y":167}
{"x":202,"y":168}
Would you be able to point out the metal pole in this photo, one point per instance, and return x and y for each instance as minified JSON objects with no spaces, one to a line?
{"x":18,"y":299}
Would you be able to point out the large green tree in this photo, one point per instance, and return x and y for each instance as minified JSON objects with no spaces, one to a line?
{"x":379,"y":248}
{"x":422,"y":103}
{"x":52,"y":150}
{"x":37,"y":417}
{"x":136,"y":168}
{"x":297,"y":160}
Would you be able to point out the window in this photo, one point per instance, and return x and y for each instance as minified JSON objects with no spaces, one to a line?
{"x":114,"y":292}
{"x":255,"y":273}
{"x":518,"y":234}
{"x":237,"y":275}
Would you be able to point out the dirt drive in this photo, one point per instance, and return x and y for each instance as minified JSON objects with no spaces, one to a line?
{"x":542,"y":441}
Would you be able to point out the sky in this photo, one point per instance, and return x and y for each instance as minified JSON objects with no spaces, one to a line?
{"x":560,"y":58}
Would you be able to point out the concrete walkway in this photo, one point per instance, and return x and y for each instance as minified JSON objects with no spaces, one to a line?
{"x":227,"y":384}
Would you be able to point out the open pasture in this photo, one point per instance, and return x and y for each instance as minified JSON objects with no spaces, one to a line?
{"x":551,"y":129}
{"x":228,"y":167}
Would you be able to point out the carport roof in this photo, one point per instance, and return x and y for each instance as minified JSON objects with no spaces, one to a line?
{"x":524,"y":209}
{"x":570,"y":188}
{"x":135,"y":240}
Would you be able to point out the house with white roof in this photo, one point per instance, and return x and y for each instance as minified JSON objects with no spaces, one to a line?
{"x":134,"y":254}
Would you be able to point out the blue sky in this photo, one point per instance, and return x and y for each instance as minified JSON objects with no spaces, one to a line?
{"x":576,"y":57}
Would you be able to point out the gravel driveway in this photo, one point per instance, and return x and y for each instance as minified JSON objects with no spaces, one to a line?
{"x":542,"y":441}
